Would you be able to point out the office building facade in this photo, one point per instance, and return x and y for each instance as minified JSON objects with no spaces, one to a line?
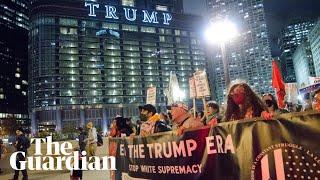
{"x":94,"y":60}
{"x":314,"y":38}
{"x":13,"y":62}
{"x":290,"y":38}
{"x":249,"y":55}
{"x":303,"y":64}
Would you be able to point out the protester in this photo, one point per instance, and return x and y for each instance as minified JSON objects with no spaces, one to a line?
{"x":316,"y":101}
{"x":3,"y":150}
{"x":22,"y":144}
{"x":243,"y":103}
{"x":149,"y":117}
{"x":91,"y":140}
{"x":131,"y":126}
{"x":121,"y":128}
{"x":164,"y":117}
{"x":82,"y":137}
{"x":113,"y":128}
{"x":212,"y":113}
{"x":182,"y":119}
{"x":126,"y":127}
{"x":138,"y":127}
{"x":77,"y":174}
{"x":163,"y":124}
{"x":272,"y":105}
{"x":200,"y":116}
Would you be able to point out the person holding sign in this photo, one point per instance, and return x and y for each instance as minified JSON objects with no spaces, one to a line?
{"x":181,"y":118}
{"x":243,"y":103}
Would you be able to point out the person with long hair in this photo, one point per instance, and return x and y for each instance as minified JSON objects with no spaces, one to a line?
{"x":243,"y":103}
{"x":271,"y":104}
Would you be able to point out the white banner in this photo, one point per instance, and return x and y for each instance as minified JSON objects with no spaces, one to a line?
{"x":201,"y":83}
{"x":151,"y":95}
{"x":314,"y":80}
{"x":291,"y":92}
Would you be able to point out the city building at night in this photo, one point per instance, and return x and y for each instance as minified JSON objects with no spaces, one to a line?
{"x":248,"y":55}
{"x":290,"y":38}
{"x":303,"y":64}
{"x":13,"y":62}
{"x":314,"y":38}
{"x":94,"y":60}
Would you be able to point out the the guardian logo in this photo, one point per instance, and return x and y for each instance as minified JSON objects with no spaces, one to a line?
{"x":59,"y":157}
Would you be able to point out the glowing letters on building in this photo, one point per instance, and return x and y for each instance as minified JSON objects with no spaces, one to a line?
{"x":130,"y":14}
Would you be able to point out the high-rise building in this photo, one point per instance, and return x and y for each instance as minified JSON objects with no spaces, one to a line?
{"x":290,"y":38}
{"x":249,"y":55}
{"x":314,"y":38}
{"x":303,"y":64}
{"x":94,"y":60}
{"x":13,"y":61}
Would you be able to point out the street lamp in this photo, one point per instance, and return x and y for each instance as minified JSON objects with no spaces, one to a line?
{"x":219,"y":33}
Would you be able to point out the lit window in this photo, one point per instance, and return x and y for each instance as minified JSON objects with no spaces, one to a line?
{"x":148,"y":29}
{"x":23,"y":93}
{"x":17,"y":75}
{"x":161,"y":8}
{"x":1,"y":96}
{"x":17,"y":86}
{"x":129,"y":28}
{"x":128,"y":3}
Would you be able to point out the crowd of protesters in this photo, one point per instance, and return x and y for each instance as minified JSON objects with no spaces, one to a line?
{"x":241,"y":103}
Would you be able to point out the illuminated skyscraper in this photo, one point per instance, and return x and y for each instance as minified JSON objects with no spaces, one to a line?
{"x":13,"y":60}
{"x":291,"y":37}
{"x":248,"y":54}
{"x":93,"y":60}
{"x":314,"y":38}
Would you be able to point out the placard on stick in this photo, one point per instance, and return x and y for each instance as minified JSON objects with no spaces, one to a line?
{"x":201,"y":83}
{"x":151,"y":95}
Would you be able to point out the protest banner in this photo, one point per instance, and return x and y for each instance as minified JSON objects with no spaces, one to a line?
{"x":283,"y":148}
{"x":151,"y":95}
{"x":201,"y":84}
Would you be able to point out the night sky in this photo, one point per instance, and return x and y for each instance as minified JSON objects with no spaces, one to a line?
{"x":278,"y":14}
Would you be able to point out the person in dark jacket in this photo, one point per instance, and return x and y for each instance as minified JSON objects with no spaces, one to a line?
{"x":77,"y":174}
{"x":82,"y":136}
{"x":121,"y":127}
{"x":21,"y":144}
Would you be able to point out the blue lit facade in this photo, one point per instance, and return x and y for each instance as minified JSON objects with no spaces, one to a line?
{"x":81,"y":71}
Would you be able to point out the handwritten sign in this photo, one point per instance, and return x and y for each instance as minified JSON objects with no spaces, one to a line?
{"x":201,"y":83}
{"x":151,"y":95}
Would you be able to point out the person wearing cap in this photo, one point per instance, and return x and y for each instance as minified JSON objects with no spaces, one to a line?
{"x":182,"y":119}
{"x":21,"y":144}
{"x":149,"y":117}
{"x":212,"y":113}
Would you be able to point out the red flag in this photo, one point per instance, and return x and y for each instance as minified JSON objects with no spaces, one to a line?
{"x":278,"y":84}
